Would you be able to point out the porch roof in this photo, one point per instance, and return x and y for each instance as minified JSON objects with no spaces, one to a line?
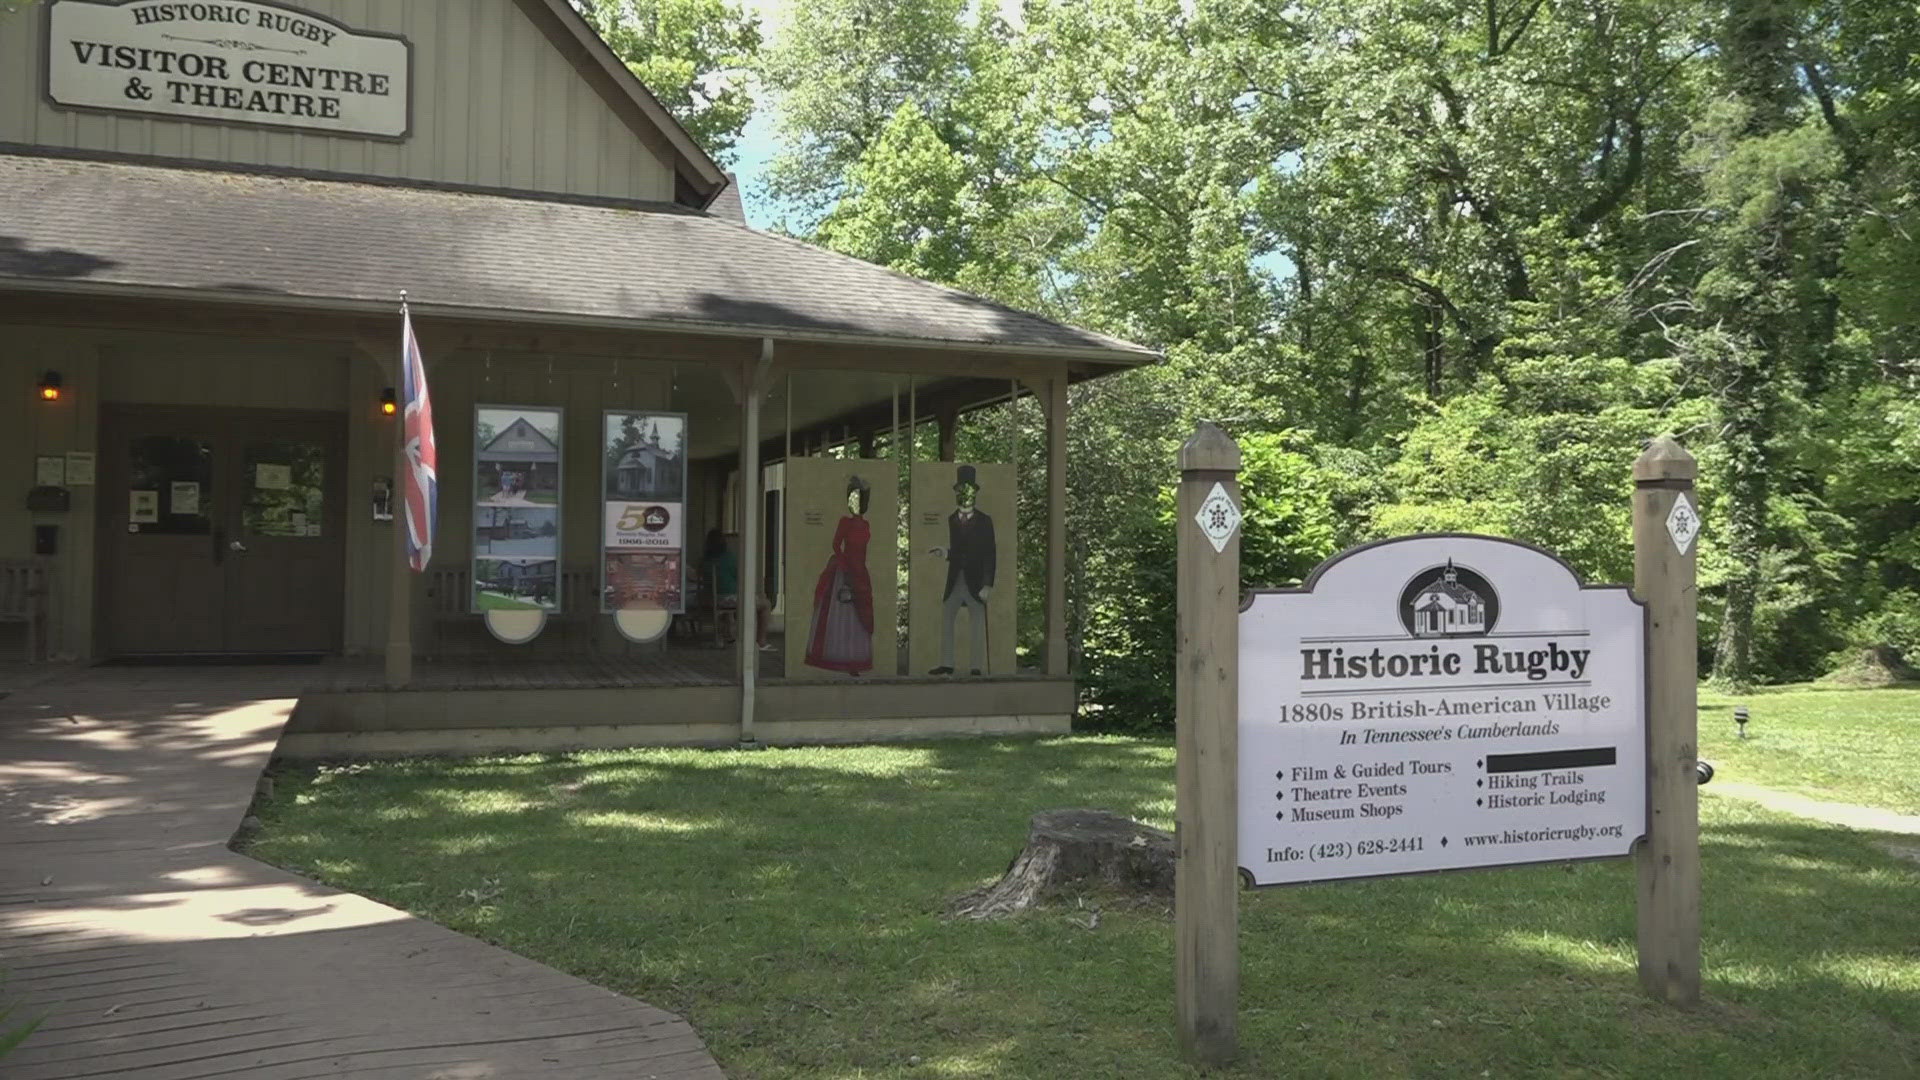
{"x":96,"y":226}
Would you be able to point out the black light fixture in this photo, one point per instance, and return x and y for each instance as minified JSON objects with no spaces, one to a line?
{"x":389,"y":404}
{"x":50,"y":386}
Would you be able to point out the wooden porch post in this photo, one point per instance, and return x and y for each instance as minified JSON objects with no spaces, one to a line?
{"x":400,"y":601}
{"x":752,"y":386}
{"x":1055,"y":400}
{"x":399,"y":651}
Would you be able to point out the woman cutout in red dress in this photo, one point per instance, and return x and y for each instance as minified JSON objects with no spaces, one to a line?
{"x":841,"y":638}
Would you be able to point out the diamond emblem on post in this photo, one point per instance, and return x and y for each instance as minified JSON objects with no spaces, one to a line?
{"x":1683,"y":524}
{"x":1218,"y":518}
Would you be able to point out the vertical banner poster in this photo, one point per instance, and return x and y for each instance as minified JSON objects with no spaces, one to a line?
{"x":516,"y":515}
{"x":962,"y":569}
{"x":643,"y":482}
{"x":842,"y":530}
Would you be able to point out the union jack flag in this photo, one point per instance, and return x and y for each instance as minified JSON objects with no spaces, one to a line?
{"x":422,"y":485}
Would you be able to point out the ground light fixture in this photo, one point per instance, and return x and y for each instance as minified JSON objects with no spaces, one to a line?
{"x":1740,"y":720}
{"x":50,"y":385}
{"x":389,"y":404}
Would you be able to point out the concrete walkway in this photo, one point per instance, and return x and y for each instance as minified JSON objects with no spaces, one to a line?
{"x":158,"y":953}
{"x":1864,"y":818}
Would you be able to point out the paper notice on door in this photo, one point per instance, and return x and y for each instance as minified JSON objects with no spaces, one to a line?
{"x":79,"y":468}
{"x":273,"y":477}
{"x":299,"y":522}
{"x":184,"y":497}
{"x":143,"y":507}
{"x":313,"y":530}
{"x":50,"y":470}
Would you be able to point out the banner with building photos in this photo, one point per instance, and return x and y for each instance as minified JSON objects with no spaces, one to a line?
{"x":643,"y":479}
{"x":516,"y":514}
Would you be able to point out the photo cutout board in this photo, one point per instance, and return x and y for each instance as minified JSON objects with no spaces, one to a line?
{"x":962,"y":569}
{"x":643,"y":484}
{"x":842,"y":585}
{"x":516,"y":513}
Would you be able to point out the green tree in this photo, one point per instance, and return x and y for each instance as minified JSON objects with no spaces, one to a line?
{"x":1467,"y":256}
{"x":693,"y":55}
{"x":840,"y":70}
{"x":1289,"y":527}
{"x":1763,"y":326}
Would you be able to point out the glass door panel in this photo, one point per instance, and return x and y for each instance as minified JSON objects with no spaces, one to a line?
{"x":286,"y":485}
{"x":160,"y":502}
{"x":285,"y":582}
{"x":170,"y":486}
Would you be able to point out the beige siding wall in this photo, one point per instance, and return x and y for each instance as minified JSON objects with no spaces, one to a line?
{"x":188,"y":369}
{"x":222,"y":373}
{"x":495,"y":104}
{"x":30,"y":427}
{"x":128,"y":368}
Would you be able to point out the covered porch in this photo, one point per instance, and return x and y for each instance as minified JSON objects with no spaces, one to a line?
{"x":345,"y":708}
{"x":776,"y":355}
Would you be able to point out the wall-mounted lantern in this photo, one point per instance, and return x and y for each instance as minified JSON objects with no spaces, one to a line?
{"x":389,"y":403}
{"x":50,"y":384}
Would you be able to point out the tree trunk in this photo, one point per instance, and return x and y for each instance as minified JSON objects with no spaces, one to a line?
{"x":1745,"y":531}
{"x":1757,"y":261}
{"x":1076,"y":847}
{"x":1433,"y":344}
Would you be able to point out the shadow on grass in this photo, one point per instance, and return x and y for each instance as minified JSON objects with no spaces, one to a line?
{"x":786,"y":902}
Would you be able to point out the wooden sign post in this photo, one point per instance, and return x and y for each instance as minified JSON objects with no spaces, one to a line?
{"x":1206,"y":884}
{"x":1430,"y":703}
{"x":1665,"y":523}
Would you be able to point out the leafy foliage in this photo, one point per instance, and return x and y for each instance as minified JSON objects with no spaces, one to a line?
{"x":692,"y":54}
{"x":1461,"y":259}
{"x":1287,"y":529}
{"x":13,"y":1033}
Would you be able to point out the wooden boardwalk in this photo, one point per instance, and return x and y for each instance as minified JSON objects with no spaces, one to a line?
{"x":156,"y":952}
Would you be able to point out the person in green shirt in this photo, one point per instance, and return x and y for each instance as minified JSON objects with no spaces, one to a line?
{"x":723,"y":570}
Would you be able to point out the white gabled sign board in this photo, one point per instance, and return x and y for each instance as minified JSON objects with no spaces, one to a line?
{"x":236,"y":61}
{"x":1439,"y":703}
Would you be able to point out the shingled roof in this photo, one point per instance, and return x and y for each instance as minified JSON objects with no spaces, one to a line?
{"x":108,"y":226}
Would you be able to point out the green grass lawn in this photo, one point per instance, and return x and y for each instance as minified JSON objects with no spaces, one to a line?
{"x":787,"y":903}
{"x":1857,"y":746}
{"x":493,"y":601}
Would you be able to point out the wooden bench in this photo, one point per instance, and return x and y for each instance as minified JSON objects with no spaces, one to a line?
{"x":450,"y":599}
{"x":23,"y":599}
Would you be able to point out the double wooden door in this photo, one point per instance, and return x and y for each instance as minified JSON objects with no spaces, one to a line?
{"x":222,"y":531}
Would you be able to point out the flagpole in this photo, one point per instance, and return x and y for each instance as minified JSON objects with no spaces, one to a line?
{"x":400,"y":604}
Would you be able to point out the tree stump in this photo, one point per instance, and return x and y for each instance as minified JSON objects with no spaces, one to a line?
{"x":1076,"y":847}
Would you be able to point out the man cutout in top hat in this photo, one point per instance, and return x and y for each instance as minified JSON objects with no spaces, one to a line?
{"x":971,"y":558}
